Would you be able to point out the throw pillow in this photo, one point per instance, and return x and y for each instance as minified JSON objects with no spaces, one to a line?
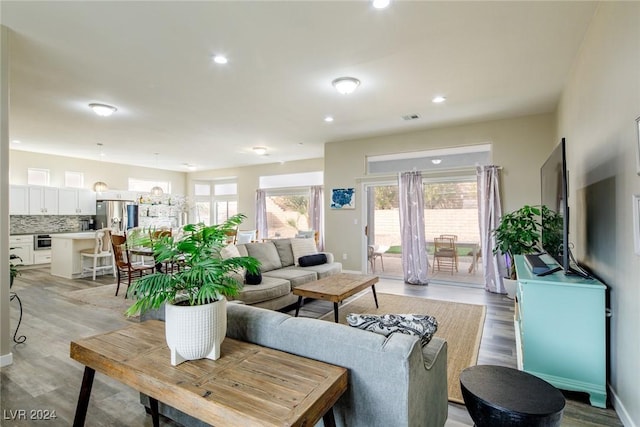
{"x":302,"y":247}
{"x":229,"y":251}
{"x":309,"y":260}
{"x":423,"y":326}
{"x":252,"y":279}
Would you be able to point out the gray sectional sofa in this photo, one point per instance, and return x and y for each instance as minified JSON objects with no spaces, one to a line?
{"x":280,"y":274}
{"x":393,"y":381}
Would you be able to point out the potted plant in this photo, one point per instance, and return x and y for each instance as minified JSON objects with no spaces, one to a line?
{"x":194,"y":295}
{"x":518,"y":234}
{"x":13,"y":268}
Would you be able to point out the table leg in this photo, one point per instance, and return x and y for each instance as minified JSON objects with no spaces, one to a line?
{"x":375,"y":297}
{"x":298,"y":305}
{"x":83,"y":398}
{"x":155,"y":417}
{"x":328,"y":419}
{"x":335,"y":312}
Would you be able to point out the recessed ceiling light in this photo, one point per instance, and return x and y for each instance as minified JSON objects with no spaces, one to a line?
{"x":436,"y":161}
{"x":328,"y":119}
{"x":381,"y":4}
{"x":346,"y":85}
{"x":260,"y":151}
{"x":103,"y":110}
{"x":438,"y":99}
{"x":220,"y":59}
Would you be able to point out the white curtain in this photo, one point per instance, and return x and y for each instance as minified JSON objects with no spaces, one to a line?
{"x":261,"y":214}
{"x":415,"y":262}
{"x":489,"y":213}
{"x":316,"y":213}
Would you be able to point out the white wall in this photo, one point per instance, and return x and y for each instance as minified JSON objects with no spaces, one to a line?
{"x":597,"y":116}
{"x":520,"y":145}
{"x":114,"y":174}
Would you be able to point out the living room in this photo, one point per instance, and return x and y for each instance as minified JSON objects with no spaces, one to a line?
{"x":596,"y":113}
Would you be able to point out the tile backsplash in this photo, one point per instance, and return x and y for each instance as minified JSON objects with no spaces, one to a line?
{"x":34,"y":224}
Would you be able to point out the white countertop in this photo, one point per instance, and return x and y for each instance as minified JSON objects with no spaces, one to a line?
{"x":79,"y":235}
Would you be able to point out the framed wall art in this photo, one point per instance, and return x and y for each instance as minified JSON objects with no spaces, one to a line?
{"x":343,"y":198}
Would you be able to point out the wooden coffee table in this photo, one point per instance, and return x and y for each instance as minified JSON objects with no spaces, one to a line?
{"x":336,"y":288}
{"x":248,"y":385}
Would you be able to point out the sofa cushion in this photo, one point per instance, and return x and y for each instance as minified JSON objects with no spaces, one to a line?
{"x":283,"y":246}
{"x":270,"y":288}
{"x":266,"y":253}
{"x":296,"y":276}
{"x":302,"y":247}
{"x":420,"y":325}
{"x":311,"y":260}
{"x":324,"y":270}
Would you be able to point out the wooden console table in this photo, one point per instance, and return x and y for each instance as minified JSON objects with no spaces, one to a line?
{"x":249,"y":385}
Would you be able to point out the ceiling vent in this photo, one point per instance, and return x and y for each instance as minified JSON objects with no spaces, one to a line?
{"x":410,"y":117}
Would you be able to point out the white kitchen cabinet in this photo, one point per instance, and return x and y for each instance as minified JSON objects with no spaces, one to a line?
{"x":42,"y":256}
{"x":18,"y":200}
{"x":76,"y":201}
{"x":22,"y":246}
{"x":43,"y":200}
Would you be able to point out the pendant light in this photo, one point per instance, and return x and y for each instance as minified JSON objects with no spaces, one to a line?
{"x":157,"y":190}
{"x":100,"y":186}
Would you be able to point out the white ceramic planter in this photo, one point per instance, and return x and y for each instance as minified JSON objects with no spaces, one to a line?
{"x":195,"y":332}
{"x":510,"y":286}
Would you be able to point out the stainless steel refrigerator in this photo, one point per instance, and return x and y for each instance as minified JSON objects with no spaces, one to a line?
{"x":118,"y":215}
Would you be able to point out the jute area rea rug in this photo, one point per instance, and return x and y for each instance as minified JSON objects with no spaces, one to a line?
{"x":459,"y":324}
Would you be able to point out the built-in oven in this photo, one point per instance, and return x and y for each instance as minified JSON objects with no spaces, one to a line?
{"x":41,"y":242}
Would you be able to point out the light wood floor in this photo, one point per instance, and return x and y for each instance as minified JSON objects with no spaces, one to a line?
{"x":43,"y":377}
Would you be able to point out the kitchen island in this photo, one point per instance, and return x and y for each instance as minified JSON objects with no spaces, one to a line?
{"x":66,"y":260}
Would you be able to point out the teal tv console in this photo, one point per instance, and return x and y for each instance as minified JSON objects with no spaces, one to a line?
{"x":560,"y":324}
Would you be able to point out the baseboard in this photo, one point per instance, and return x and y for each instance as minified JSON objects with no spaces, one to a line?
{"x":621,"y":411}
{"x":6,"y":360}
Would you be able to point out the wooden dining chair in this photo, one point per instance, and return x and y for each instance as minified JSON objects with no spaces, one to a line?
{"x":124,"y":267}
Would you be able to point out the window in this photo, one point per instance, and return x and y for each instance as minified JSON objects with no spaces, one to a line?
{"x":287,"y":207}
{"x":431,"y":160}
{"x":37,"y":176}
{"x":215,"y":201}
{"x":287,"y":212}
{"x":73,"y":179}
{"x":145,"y":186}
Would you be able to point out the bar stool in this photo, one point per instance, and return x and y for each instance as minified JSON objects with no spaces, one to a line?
{"x":101,"y":250}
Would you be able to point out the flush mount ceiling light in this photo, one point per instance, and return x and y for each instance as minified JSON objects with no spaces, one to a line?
{"x":381,"y":4}
{"x":346,"y":85}
{"x":100,"y":186}
{"x":438,"y":99}
{"x":220,"y":59}
{"x":103,"y":110}
{"x":328,"y":119}
{"x":260,"y":151}
{"x":436,"y":161}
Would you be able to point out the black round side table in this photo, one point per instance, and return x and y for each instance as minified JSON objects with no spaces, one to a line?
{"x":497,"y":396}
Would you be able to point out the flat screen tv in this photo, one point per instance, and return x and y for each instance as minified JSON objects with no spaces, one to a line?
{"x":554,"y":185}
{"x":555,"y":208}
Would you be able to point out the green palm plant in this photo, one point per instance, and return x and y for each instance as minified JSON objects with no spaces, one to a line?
{"x":518,"y":234}
{"x":203,"y":276}
{"x":13,"y":268}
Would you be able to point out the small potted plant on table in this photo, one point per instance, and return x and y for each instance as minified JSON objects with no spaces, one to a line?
{"x":517,"y":234}
{"x":194,"y":295}
{"x":13,"y":268}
